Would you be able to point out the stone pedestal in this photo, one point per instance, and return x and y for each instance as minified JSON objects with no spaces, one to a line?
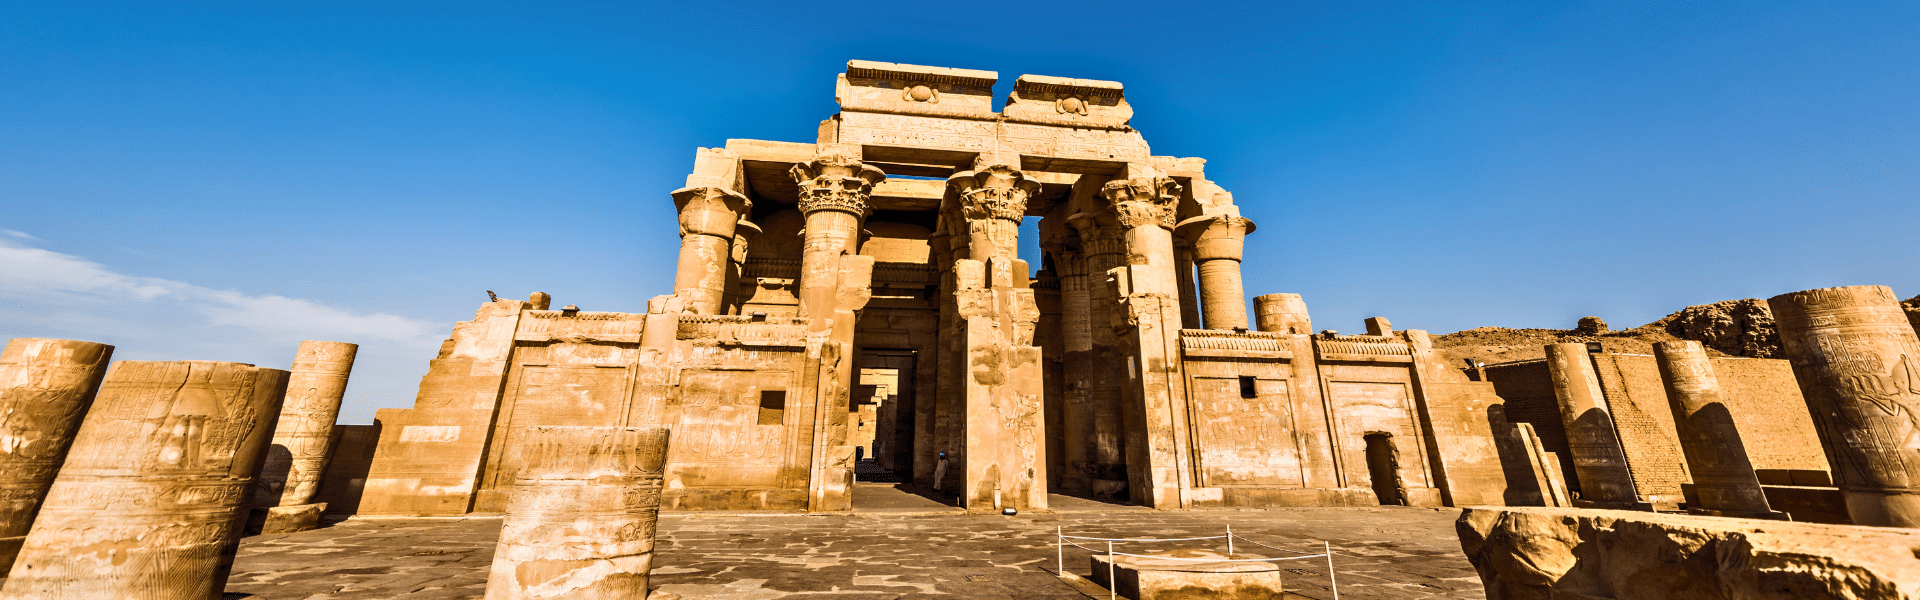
{"x":1605,"y":481}
{"x":1282,"y":313}
{"x":1858,"y":363}
{"x":147,"y":504}
{"x":45,"y":389}
{"x":708,"y":219}
{"x":1177,"y":575}
{"x":298,"y":456}
{"x":580,"y":523}
{"x":1723,"y":476}
{"x":287,"y":519}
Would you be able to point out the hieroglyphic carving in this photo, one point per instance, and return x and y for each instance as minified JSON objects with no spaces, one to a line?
{"x":917,"y":132}
{"x":146,"y":504}
{"x":1241,"y":440}
{"x":1858,"y":363}
{"x":581,"y":521}
{"x":298,"y":456}
{"x":45,"y":388}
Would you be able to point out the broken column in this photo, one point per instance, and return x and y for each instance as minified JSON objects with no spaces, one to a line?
{"x":708,"y":217}
{"x":835,"y":281}
{"x":1000,"y":366}
{"x":1598,"y":460}
{"x":1158,"y":457}
{"x":1218,"y":241}
{"x":298,"y":457}
{"x":45,"y":389}
{"x":1282,"y":313}
{"x":580,"y":523}
{"x":147,"y":504}
{"x":1858,"y":363}
{"x":1723,"y":477}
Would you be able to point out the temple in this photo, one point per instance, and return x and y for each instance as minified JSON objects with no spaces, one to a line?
{"x":883,"y":256}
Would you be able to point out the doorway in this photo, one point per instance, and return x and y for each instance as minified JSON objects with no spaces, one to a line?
{"x":1383,"y":467}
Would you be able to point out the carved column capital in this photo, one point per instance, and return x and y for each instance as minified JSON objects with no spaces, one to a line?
{"x":996,"y":192}
{"x":1142,"y":201}
{"x":709,"y":210}
{"x":835,"y":182}
{"x":1099,"y":232}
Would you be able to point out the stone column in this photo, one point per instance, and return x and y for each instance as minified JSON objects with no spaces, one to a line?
{"x":1723,"y":476}
{"x":45,"y":388}
{"x":1107,"y":461}
{"x":1599,"y":462}
{"x":1217,"y":243}
{"x":1002,"y":464}
{"x":743,"y":234}
{"x":580,"y":524}
{"x":1189,"y":296}
{"x":1282,"y":313}
{"x":147,"y":505}
{"x":1158,"y":445}
{"x":298,"y":456}
{"x":708,"y":219}
{"x":1858,"y":363}
{"x":1078,"y":364}
{"x":835,"y":281}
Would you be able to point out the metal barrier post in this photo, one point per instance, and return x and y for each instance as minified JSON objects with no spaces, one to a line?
{"x":1113,"y":584}
{"x":1229,"y":540}
{"x":1331,"y":583}
{"x":1060,"y":544}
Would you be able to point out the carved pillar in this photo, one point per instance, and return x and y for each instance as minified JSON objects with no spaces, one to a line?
{"x":1858,"y":363}
{"x":1183,"y":270}
{"x":1079,"y":418}
{"x":708,"y":216}
{"x":743,"y":233}
{"x":1158,"y":445}
{"x":1217,"y":244}
{"x":581,"y":520}
{"x":834,"y":283}
{"x":1599,"y":462}
{"x":1723,"y":476}
{"x":147,"y":503}
{"x":1106,"y":466}
{"x":46,"y":387}
{"x":944,"y":410}
{"x":300,"y":441}
{"x":999,"y":365}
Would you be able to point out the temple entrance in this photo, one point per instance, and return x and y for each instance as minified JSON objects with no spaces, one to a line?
{"x":1383,"y":467}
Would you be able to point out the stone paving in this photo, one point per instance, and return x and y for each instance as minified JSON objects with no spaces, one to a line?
{"x":896,"y":545}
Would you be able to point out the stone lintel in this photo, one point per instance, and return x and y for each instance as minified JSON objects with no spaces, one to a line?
{"x":914,"y":89}
{"x":1067,"y":101}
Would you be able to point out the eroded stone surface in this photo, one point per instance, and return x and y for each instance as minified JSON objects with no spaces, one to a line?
{"x":46,"y":387}
{"x":147,"y":504}
{"x":1529,"y":553}
{"x":580,"y":524}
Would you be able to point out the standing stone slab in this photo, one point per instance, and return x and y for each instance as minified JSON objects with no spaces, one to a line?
{"x":581,"y":519}
{"x":1716,"y":456}
{"x":301,"y":440}
{"x":146,"y":505}
{"x":45,"y":389}
{"x":1858,"y":363}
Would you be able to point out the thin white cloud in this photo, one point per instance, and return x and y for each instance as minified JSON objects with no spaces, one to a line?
{"x":19,"y":234}
{"x":38,"y":275}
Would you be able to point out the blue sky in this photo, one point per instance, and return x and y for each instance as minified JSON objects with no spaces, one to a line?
{"x":220,"y":181}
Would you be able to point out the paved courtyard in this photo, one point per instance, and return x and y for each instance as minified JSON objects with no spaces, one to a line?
{"x":895,"y":545}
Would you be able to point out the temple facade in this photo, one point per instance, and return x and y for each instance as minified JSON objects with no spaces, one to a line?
{"x":864,"y":290}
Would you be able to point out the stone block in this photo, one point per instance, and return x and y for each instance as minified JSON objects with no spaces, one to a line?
{"x":285,"y":519}
{"x":915,"y":89}
{"x":1165,"y":576}
{"x":1543,"y":553}
{"x":1067,"y":101}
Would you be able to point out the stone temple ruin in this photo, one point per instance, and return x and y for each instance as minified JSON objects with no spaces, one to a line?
{"x":861,"y":296}
{"x":1125,"y":368}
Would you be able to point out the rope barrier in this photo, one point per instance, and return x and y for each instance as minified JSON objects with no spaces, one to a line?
{"x":1063,"y":540}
